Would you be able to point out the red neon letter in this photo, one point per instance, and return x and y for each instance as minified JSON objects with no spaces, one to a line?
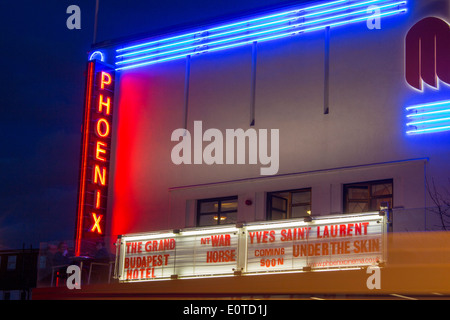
{"x":96,"y":223}
{"x":97,"y":199}
{"x":427,"y":49}
{"x":105,"y":132}
{"x":102,"y":103}
{"x":105,"y":79}
{"x":99,"y":150}
{"x":99,"y":176}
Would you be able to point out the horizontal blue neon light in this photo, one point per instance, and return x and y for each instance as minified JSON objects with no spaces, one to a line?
{"x":258,"y":29}
{"x":187,"y":48}
{"x":227,"y":26}
{"x":429,"y":106}
{"x":429,"y":117}
{"x":260,"y":26}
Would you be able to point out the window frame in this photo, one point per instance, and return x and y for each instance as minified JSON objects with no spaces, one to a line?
{"x":219,"y":201}
{"x":289,"y":204}
{"x":371,"y":197}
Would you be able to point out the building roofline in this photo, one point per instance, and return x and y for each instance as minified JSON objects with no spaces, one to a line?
{"x":201,"y":24}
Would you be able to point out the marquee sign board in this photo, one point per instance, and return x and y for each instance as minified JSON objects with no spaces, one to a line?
{"x":342,"y":242}
{"x":335,"y":242}
{"x":197,"y":252}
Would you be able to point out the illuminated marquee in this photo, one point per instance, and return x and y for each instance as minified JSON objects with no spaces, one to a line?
{"x":201,"y":252}
{"x":321,"y":244}
{"x":335,"y":242}
{"x":95,"y":155}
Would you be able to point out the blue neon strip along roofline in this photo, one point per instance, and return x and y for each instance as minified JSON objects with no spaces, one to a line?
{"x":269,"y":27}
{"x":244,"y":36}
{"x":211,"y":36}
{"x":230,"y":25}
{"x":290,"y":33}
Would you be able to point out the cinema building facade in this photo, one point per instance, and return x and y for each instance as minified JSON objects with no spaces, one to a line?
{"x":245,"y":155}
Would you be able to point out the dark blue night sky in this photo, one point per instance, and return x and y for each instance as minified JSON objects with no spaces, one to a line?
{"x":41,"y":101}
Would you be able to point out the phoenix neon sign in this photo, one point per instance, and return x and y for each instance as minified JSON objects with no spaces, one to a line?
{"x":263,"y":28}
{"x":95,"y":156}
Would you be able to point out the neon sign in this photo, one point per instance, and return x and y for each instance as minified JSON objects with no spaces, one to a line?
{"x":427,"y":48}
{"x":429,"y":117}
{"x":95,"y":155}
{"x":325,"y":243}
{"x":97,"y":55}
{"x":258,"y":29}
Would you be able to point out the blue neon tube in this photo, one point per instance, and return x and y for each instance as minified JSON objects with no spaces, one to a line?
{"x":230,"y":25}
{"x":288,"y":23}
{"x":416,"y":115}
{"x":429,"y":130}
{"x":245,"y":35}
{"x":429,"y":117}
{"x":262,"y":39}
{"x":207,"y":33}
{"x":429,"y":105}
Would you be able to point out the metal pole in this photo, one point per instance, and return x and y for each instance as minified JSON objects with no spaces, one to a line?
{"x":95,"y":22}
{"x":253,"y":84}
{"x":326,"y":93}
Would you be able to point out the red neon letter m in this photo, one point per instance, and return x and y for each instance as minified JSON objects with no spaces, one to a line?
{"x":427,"y":52}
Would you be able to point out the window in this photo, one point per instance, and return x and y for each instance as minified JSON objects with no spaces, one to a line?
{"x":217,"y":211}
{"x":42,"y":262}
{"x":11,"y":263}
{"x":289,"y":204}
{"x":367,"y":196}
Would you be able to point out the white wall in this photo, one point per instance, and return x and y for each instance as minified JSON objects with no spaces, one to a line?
{"x":361,"y":139}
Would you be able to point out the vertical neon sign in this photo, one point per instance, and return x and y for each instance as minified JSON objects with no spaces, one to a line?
{"x":95,"y":157}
